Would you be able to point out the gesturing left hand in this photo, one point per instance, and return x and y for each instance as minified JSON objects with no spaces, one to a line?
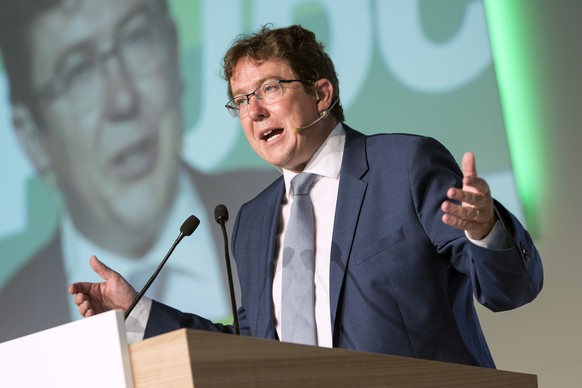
{"x":475,"y":214}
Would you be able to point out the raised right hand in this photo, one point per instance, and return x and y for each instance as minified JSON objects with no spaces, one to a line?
{"x":111,"y":294}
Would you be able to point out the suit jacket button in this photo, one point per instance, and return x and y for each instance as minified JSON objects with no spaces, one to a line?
{"x":525,"y":252}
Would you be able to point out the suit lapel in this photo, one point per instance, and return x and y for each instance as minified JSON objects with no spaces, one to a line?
{"x":351,"y":195}
{"x":268,"y":214}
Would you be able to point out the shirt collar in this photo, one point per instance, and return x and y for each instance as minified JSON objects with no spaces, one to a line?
{"x":327,"y":160}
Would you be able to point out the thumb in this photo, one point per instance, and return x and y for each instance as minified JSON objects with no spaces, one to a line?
{"x":101,"y":269}
{"x":468,"y":164}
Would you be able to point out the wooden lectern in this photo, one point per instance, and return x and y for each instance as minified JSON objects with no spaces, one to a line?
{"x":93,"y":352}
{"x":190,"y":358}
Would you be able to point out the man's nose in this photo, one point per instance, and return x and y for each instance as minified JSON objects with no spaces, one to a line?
{"x":256,"y":108}
{"x":121,"y":97}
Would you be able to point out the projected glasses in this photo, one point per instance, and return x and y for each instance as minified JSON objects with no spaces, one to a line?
{"x":140,"y":47}
{"x":269,"y":93}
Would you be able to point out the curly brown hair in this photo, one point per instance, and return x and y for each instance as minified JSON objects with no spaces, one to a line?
{"x":294,"y":45}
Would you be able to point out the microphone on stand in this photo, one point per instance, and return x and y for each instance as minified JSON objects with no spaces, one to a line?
{"x":187,"y":228}
{"x":221,"y":216}
{"x":324,"y":113}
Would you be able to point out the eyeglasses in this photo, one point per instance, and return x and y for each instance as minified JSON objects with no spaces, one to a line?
{"x":269,"y":93}
{"x":140,"y":48}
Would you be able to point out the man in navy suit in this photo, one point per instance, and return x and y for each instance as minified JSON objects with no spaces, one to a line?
{"x":404,"y":239}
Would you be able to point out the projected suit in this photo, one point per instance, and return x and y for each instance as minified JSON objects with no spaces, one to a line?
{"x":36,"y":297}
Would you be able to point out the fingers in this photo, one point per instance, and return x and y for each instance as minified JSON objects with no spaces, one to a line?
{"x":83,"y":305}
{"x":85,"y":309}
{"x":464,"y":214}
{"x":94,"y":298}
{"x":469,"y":211}
{"x":472,"y":198}
{"x":470,"y":208}
{"x":80,"y":287}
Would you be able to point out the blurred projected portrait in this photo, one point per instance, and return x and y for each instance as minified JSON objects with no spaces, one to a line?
{"x":95,"y":93}
{"x":113,"y":130}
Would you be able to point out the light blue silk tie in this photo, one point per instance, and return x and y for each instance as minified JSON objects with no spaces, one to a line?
{"x":298,"y":296}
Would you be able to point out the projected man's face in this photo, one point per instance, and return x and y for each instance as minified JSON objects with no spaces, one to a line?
{"x":108,"y":119}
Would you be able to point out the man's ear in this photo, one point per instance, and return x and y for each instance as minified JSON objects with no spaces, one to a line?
{"x":324,"y":91}
{"x":30,"y":138}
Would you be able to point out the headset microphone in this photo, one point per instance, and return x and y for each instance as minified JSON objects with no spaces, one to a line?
{"x":322,"y":115}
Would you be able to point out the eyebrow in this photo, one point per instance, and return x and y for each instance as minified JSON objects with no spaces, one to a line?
{"x":87,"y":45}
{"x":260,"y":83}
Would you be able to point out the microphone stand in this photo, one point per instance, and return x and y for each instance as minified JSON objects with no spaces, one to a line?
{"x":152,"y":278}
{"x":187,"y":228}
{"x":221,"y":216}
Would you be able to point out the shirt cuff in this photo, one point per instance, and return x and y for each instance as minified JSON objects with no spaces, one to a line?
{"x":137,"y":321}
{"x":498,"y":238}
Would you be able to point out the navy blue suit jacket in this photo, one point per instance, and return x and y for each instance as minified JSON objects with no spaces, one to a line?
{"x":401,"y":281}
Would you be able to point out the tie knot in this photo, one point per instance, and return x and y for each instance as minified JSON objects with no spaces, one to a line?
{"x":301,"y":183}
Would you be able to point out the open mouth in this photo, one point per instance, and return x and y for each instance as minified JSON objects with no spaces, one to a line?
{"x":136,"y":160}
{"x":272,"y":134}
